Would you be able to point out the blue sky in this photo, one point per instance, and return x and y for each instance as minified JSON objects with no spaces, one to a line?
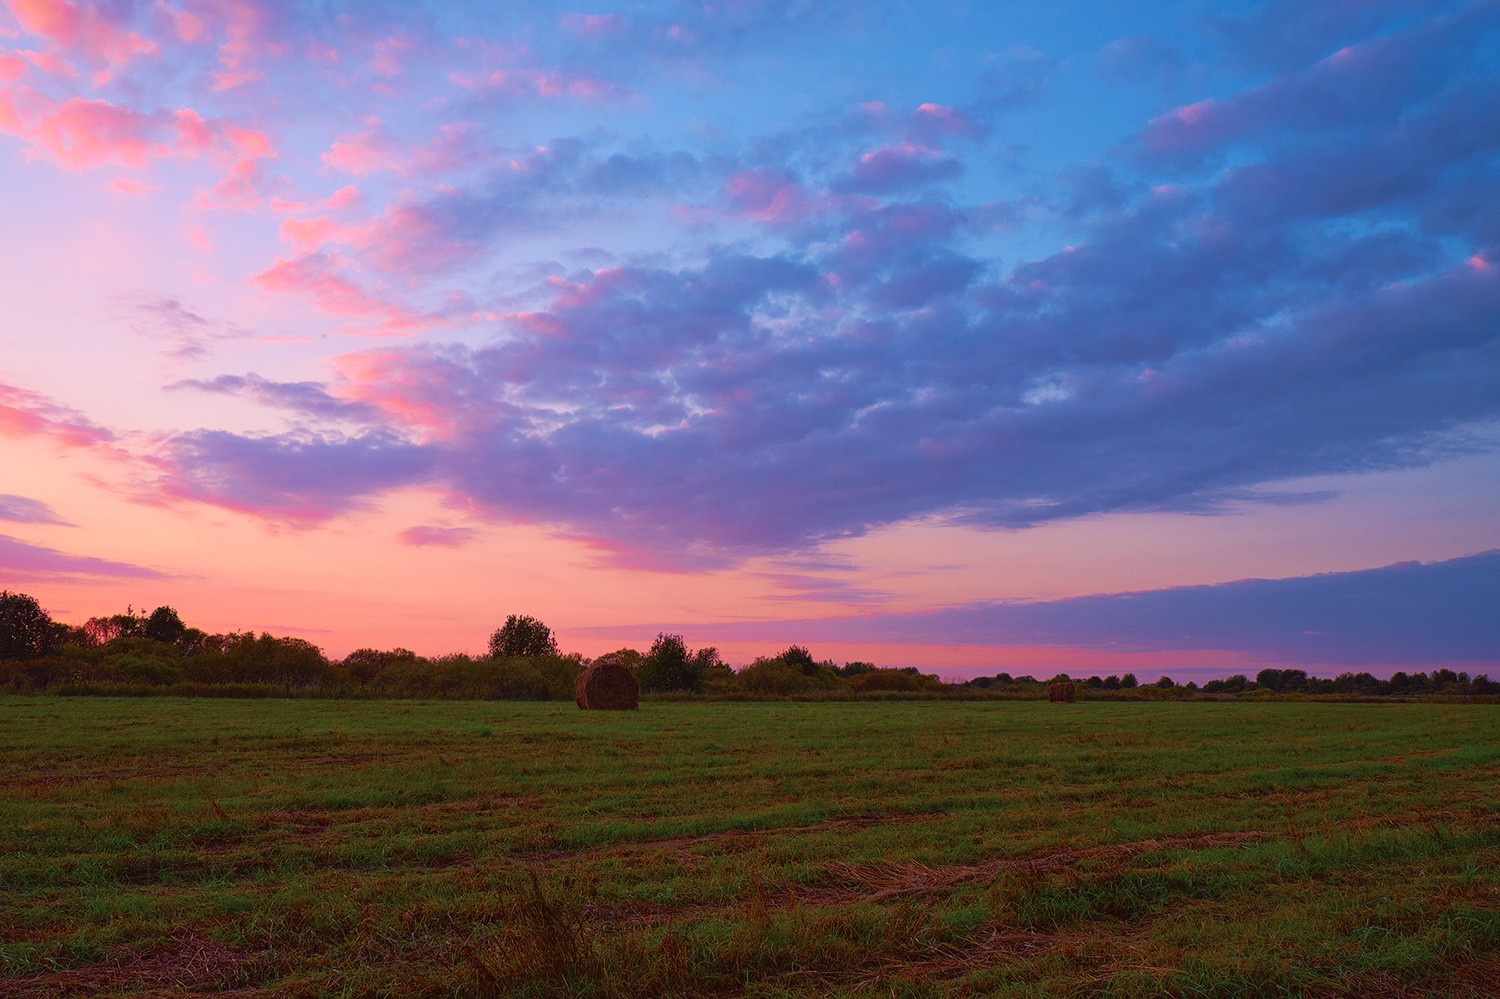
{"x":747,"y":314}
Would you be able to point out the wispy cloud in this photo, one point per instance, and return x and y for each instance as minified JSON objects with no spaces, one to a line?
{"x":434,"y":536}
{"x":26,"y":562}
{"x":23,"y":510}
{"x":24,"y":413}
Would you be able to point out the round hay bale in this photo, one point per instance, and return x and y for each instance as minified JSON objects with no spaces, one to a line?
{"x":607,"y":687}
{"x":1062,"y":693}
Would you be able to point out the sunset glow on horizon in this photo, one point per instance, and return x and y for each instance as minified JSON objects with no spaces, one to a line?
{"x":1138,"y":337}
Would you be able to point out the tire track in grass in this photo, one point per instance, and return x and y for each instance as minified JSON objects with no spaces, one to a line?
{"x":726,"y":836}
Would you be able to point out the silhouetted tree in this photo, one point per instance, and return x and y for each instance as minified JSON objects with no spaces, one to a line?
{"x":1233,"y":685}
{"x":1281,"y":680}
{"x":164,"y":626}
{"x":102,"y":630}
{"x":26,"y":631}
{"x":670,"y":668}
{"x":522,"y":635}
{"x":798,"y":656}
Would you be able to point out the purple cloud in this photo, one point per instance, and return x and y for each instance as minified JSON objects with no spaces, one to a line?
{"x":1139,"y":59}
{"x":563,"y":182}
{"x":307,"y":398}
{"x":844,"y":350}
{"x":704,"y":410}
{"x":1284,"y":33}
{"x":22,"y":561}
{"x":22,"y":510}
{"x":1410,"y":612}
{"x":1362,"y":86}
{"x":894,"y":167}
{"x":186,"y":334}
{"x":300,"y":477}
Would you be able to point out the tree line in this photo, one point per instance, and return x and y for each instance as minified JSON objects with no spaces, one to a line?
{"x":142,"y":653}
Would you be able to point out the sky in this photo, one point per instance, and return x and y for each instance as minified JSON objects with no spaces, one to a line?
{"x":973,"y":336}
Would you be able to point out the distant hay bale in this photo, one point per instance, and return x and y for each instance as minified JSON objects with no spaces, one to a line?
{"x":1062,"y":693}
{"x":607,"y":687}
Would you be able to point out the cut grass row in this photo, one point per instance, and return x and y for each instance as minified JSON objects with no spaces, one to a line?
{"x":776,"y":849}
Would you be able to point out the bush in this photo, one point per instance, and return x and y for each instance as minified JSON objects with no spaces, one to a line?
{"x":778,"y":677}
{"x":901,"y":680}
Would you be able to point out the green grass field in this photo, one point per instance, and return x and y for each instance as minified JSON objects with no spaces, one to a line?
{"x":368,"y":848}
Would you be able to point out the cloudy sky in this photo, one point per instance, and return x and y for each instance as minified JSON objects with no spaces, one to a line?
{"x":1142,"y":336}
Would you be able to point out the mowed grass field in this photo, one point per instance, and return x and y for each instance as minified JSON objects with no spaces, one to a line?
{"x":387,"y":848}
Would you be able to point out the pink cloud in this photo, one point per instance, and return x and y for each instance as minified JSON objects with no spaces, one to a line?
{"x":246,"y":142}
{"x":129,"y":187}
{"x":323,"y":53}
{"x":936,"y":118}
{"x":386,"y":61}
{"x":245,"y":26}
{"x":591,"y":25}
{"x":193,"y":133}
{"x":361,"y":153}
{"x":188,"y":27}
{"x":411,"y":236}
{"x":455,"y":146}
{"x":82,"y":133}
{"x":774,"y":197}
{"x":529,"y":82}
{"x":10,"y":120}
{"x":84,"y":29}
{"x":244,"y":188}
{"x":311,"y":233}
{"x":313,"y":277}
{"x":375,"y":149}
{"x":418,"y":397}
{"x":24,"y":413}
{"x":197,"y":236}
{"x":232,"y":79}
{"x":345,"y":197}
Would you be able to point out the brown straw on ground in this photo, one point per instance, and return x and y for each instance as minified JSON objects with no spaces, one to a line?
{"x":606,"y":687}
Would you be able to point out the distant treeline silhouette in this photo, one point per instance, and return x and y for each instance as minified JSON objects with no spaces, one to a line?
{"x":139,"y":653}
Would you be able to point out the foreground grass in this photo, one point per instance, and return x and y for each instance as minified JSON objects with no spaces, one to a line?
{"x":179,"y":847}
